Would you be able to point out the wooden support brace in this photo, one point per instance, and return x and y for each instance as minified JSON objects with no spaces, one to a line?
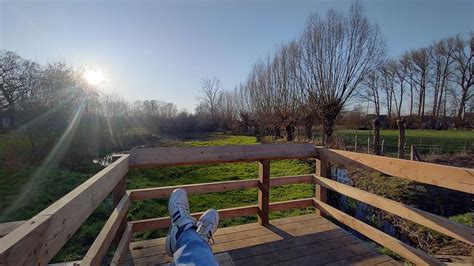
{"x":263,"y":191}
{"x":321,"y":191}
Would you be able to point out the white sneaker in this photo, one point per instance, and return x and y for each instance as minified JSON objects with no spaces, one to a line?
{"x":207,"y":225}
{"x":178,"y":207}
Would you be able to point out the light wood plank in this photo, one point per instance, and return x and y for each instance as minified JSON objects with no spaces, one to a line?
{"x":288,"y":180}
{"x":40,"y":238}
{"x":122,"y":247}
{"x":460,"y":179}
{"x":98,"y":249}
{"x":408,"y":252}
{"x":164,"y":222}
{"x":291,"y":204}
{"x":6,"y":228}
{"x":164,"y":192}
{"x":263,"y":191}
{"x":437,"y":223}
{"x":153,"y":157}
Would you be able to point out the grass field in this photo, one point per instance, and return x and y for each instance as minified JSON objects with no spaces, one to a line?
{"x":24,"y":192}
{"x":428,"y":142}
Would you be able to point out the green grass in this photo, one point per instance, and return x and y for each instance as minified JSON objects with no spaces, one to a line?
{"x":428,"y":142}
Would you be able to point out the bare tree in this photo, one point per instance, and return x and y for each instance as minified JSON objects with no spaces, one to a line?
{"x":17,"y":78}
{"x":210,"y":90}
{"x":338,"y":53}
{"x":462,"y":54}
{"x":421,"y":64}
{"x":440,"y":54}
{"x":372,"y":89}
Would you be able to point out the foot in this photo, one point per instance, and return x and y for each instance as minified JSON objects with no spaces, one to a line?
{"x":207,"y":225}
{"x":181,"y":220}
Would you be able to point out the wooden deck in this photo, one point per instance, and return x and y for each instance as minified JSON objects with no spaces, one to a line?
{"x":300,"y":240}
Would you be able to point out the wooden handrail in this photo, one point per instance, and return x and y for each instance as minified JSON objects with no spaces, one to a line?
{"x":154,"y":157}
{"x":405,"y":250}
{"x":460,"y":179}
{"x":41,"y":237}
{"x":164,"y":192}
{"x":437,"y":223}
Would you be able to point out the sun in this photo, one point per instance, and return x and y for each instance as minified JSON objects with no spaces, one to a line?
{"x":94,"y":77}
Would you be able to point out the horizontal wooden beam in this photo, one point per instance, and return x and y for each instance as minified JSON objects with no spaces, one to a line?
{"x":153,"y":157}
{"x":291,"y":204}
{"x":6,"y":228}
{"x":164,"y":222}
{"x":414,"y":255}
{"x":461,"y":179}
{"x":40,"y":238}
{"x":164,"y":192}
{"x":122,"y":247}
{"x":102,"y":242}
{"x":437,"y":223}
{"x":288,"y":180}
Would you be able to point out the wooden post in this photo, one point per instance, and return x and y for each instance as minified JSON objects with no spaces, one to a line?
{"x":263,"y":191}
{"x":117,"y":195}
{"x":322,"y":169}
{"x":368,"y":145}
{"x":355,"y":143}
{"x":382,"y":147}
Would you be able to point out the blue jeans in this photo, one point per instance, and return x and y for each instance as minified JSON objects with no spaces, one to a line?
{"x":193,"y":250}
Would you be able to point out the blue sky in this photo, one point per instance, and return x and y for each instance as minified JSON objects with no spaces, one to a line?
{"x":161,"y":49}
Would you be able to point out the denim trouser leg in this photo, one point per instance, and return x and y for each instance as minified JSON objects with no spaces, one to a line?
{"x":193,"y":250}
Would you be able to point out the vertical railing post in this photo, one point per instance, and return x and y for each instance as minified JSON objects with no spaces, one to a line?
{"x":322,"y":169}
{"x":117,"y":195}
{"x":263,"y":191}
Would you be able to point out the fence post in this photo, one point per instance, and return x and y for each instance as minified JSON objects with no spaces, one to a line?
{"x":263,"y":191}
{"x":355,"y":143}
{"x":382,"y":147}
{"x":322,"y":169}
{"x":368,"y":145}
{"x":117,"y":195}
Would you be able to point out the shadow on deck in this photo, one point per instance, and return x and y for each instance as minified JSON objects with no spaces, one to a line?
{"x":300,"y":240}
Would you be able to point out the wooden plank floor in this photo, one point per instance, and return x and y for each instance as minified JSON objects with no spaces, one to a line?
{"x":300,"y":240}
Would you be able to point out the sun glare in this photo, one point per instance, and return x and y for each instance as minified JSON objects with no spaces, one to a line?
{"x":94,"y":77}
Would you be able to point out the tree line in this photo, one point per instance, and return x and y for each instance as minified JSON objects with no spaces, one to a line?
{"x":338,"y":61}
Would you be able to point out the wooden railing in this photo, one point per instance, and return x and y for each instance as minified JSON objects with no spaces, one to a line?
{"x":40,"y":238}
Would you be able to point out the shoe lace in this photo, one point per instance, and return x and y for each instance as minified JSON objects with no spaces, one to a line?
{"x":206,"y":230}
{"x":183,"y":209}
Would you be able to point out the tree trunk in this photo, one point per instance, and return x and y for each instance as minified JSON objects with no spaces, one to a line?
{"x":308,"y":128}
{"x":462,"y":106}
{"x":401,"y":137}
{"x":11,"y":116}
{"x":289,"y":132}
{"x":328,"y":128}
{"x":376,"y":126}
